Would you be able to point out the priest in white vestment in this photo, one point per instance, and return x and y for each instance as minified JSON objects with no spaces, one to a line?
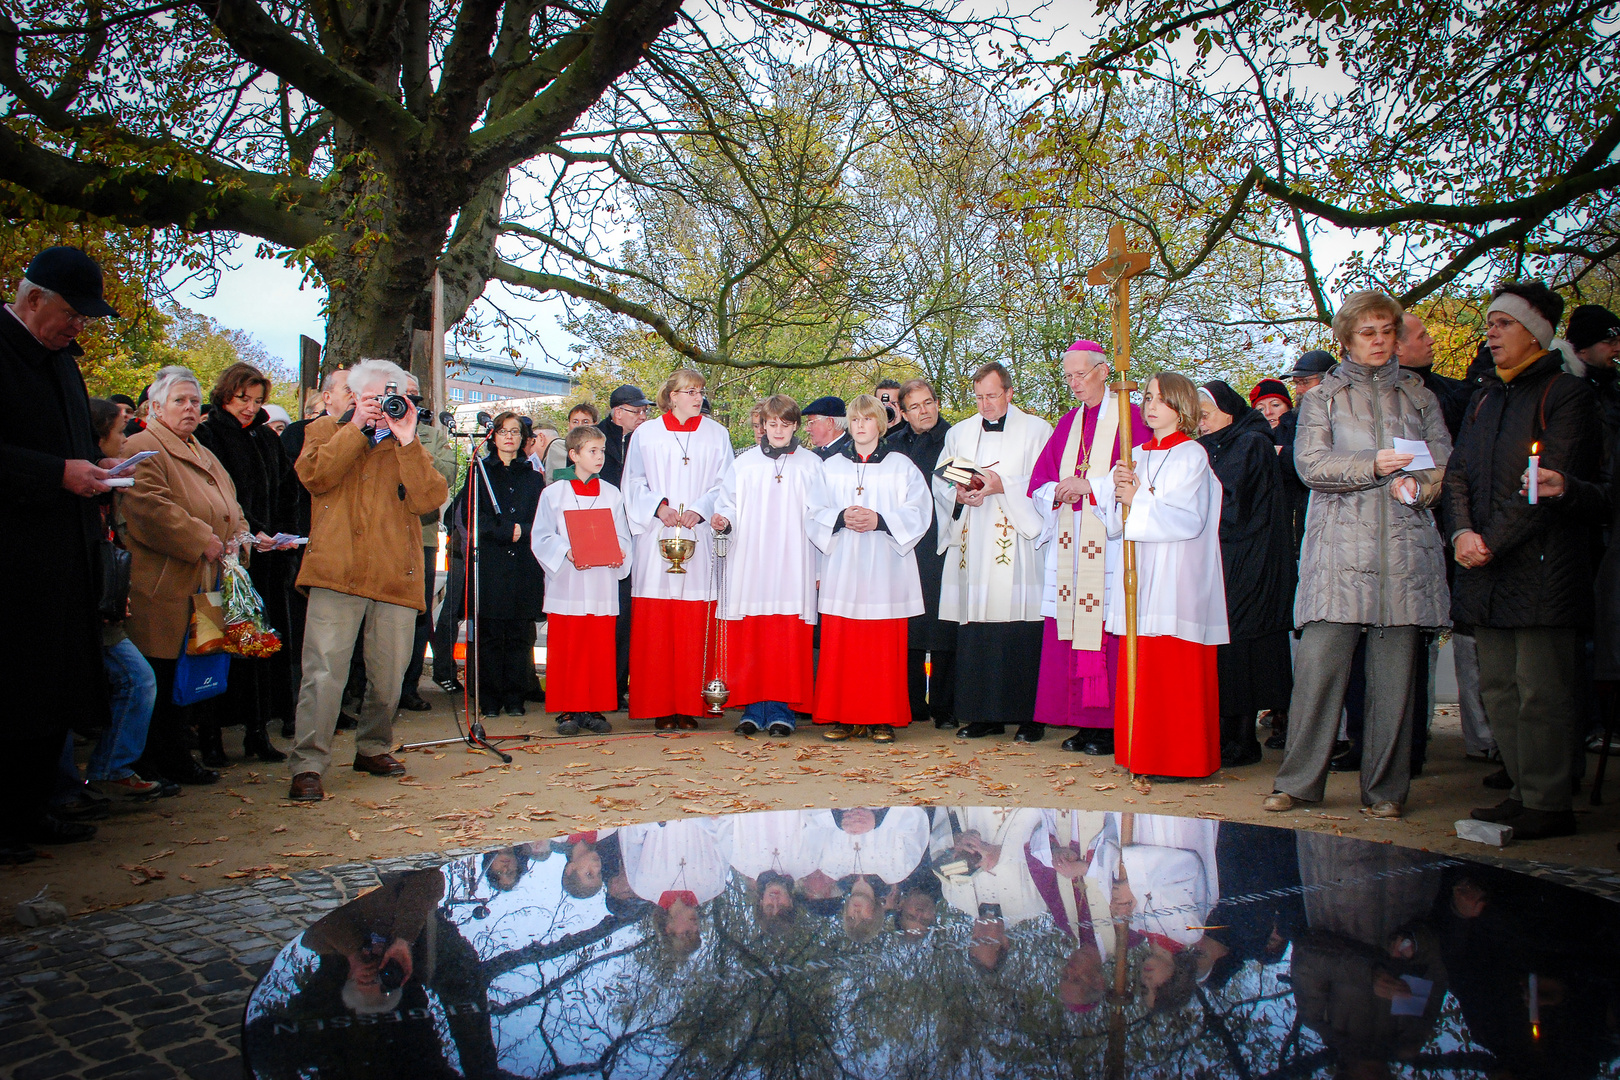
{"x":1079,"y":657}
{"x":1170,"y":729}
{"x":770,"y":604}
{"x":868,"y":515}
{"x":673,"y":472}
{"x":994,"y":572}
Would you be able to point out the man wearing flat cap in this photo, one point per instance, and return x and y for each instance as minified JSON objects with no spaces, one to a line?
{"x":827,"y":426}
{"x":1309,"y":370}
{"x":51,"y":473}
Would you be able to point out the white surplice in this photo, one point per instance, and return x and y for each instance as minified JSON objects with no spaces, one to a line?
{"x":870,"y":575}
{"x":1000,"y":577}
{"x":569,"y":590}
{"x":1009,"y":883}
{"x":1175,"y":520}
{"x":786,"y":841}
{"x":1171,"y":869}
{"x":891,"y":851}
{"x":773,"y":563}
{"x":684,"y":469}
{"x":673,"y":856}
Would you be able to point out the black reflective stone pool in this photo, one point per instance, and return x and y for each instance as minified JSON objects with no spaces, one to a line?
{"x":948,"y":942}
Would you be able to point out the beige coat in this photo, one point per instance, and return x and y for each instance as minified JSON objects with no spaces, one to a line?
{"x":366,"y":507}
{"x":1368,"y":558}
{"x":181,"y":498}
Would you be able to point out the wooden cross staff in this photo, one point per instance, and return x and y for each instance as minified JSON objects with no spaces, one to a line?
{"x":1116,"y":272}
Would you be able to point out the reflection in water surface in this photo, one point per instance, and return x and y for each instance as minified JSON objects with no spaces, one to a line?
{"x":948,"y":942}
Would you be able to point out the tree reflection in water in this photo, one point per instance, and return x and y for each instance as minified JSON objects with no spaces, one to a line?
{"x":945,"y":943}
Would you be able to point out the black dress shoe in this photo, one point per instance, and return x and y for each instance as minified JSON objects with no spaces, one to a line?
{"x":1499,"y":781}
{"x":1098,"y":742}
{"x":1075,"y":744}
{"x":1233,"y":757}
{"x":516,"y":710}
{"x":1278,"y":739}
{"x":50,"y":829}
{"x":414,"y":702}
{"x":978,"y":730}
{"x":1030,"y":732}
{"x":1538,"y":824}
{"x":1349,"y":761}
{"x":187,"y":771}
{"x":945,"y":724}
{"x":13,"y":853}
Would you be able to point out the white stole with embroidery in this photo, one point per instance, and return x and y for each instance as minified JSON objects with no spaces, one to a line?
{"x":1080,"y":552}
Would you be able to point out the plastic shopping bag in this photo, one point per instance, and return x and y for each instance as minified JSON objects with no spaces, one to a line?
{"x":247,"y":631}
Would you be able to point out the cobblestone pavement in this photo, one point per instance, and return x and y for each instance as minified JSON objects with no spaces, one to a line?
{"x":157,"y":990}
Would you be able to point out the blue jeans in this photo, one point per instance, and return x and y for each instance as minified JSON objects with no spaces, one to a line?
{"x":764,"y":713}
{"x":134,"y":692}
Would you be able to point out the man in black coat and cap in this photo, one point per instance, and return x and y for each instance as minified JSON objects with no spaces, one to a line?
{"x":827,"y":426}
{"x":52,"y":470}
{"x":921,"y":437}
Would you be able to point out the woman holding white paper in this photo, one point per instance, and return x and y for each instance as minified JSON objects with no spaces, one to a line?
{"x":1373,"y":561}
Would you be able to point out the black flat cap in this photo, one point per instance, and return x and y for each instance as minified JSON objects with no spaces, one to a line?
{"x":72,"y":275}
{"x":1315,"y":362}
{"x":628,"y":395}
{"x":824,"y":406}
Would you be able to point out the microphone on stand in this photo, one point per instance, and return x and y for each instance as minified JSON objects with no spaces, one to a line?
{"x":485,"y":421}
{"x":449,"y":421}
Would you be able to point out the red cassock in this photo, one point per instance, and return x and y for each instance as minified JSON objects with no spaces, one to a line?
{"x":1176,"y":731}
{"x":580,"y":674}
{"x":666,"y":657}
{"x":863,"y":672}
{"x":769,"y":658}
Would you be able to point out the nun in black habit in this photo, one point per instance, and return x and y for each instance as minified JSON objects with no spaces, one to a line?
{"x":1257,"y":557}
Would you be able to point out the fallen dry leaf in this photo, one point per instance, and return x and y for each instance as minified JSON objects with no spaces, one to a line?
{"x":279,"y":828}
{"x":206,"y":865}
{"x":354,"y":835}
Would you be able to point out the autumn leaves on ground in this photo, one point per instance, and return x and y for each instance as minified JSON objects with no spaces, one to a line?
{"x":244,"y":828}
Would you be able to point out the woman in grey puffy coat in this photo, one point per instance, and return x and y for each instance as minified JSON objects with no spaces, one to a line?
{"x":1372,"y":560}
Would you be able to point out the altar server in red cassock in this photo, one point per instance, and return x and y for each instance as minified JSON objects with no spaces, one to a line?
{"x":770,"y":613}
{"x":1175,"y":516}
{"x":582,"y":605}
{"x":867,"y":517}
{"x":673,"y":472}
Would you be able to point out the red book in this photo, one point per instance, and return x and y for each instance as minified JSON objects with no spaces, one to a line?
{"x":591,"y":535}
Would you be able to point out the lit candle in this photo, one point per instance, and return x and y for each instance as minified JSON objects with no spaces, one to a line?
{"x":1535,"y":464}
{"x":1535,"y":1008}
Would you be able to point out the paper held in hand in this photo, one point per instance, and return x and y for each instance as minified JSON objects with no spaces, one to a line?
{"x":1421,"y":458}
{"x":961,"y":470}
{"x":592,"y":538}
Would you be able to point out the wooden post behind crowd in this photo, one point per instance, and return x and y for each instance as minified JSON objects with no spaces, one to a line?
{"x":309,"y":370}
{"x":1116,"y":272}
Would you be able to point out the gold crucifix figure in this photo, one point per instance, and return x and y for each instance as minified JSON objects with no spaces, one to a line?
{"x":1116,"y":272}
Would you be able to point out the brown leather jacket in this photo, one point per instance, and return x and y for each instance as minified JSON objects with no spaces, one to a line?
{"x":366,"y":507}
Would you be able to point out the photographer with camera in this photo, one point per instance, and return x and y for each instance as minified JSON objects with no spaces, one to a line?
{"x":370,"y":480}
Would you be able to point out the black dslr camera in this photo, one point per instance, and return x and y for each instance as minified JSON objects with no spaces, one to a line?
{"x":397,"y":406}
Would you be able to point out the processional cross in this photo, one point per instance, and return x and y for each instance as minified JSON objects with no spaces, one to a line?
{"x":1116,"y":272}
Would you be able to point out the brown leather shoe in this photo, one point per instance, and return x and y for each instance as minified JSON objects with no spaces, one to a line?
{"x":306,"y":787}
{"x":686,"y":723}
{"x":664,"y":723}
{"x":381,"y":765}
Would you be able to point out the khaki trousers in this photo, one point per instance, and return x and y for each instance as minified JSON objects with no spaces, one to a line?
{"x":1529,"y":679}
{"x":330,"y":629}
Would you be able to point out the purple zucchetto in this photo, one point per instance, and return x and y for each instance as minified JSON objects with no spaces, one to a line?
{"x":1085,"y":346}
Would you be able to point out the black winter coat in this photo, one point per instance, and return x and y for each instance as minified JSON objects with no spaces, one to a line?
{"x":50,"y":634}
{"x":511,"y":583}
{"x":926,"y":631}
{"x":1296,"y":496}
{"x":618,"y":441}
{"x":266,"y":486}
{"x":1541,"y":567}
{"x":1257,"y":555}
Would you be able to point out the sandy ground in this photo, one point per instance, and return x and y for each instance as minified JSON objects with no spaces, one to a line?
{"x":455,"y":798}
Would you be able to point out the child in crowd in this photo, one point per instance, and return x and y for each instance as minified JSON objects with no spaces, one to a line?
{"x":770,"y":615}
{"x":1174,"y":515}
{"x":582,"y":605}
{"x":866,"y":518}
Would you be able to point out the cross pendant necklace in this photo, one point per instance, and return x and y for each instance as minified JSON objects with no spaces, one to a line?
{"x":860,"y":479}
{"x":686,"y":447}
